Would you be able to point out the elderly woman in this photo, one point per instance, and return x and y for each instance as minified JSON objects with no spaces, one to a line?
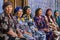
{"x":6,"y":20}
{"x":7,"y":24}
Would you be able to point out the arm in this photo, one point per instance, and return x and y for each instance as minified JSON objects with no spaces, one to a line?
{"x":51,"y":25}
{"x":10,"y":32}
{"x":5,"y":28}
{"x":20,"y":35}
{"x":25,"y":32}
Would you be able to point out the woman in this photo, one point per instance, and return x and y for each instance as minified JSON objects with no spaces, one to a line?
{"x":7,"y":22}
{"x":27,"y":13}
{"x":51,"y":22}
{"x":49,"y":19}
{"x":21,"y":26}
{"x":57,"y":18}
{"x":18,"y":13}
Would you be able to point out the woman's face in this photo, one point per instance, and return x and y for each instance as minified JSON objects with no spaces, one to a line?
{"x":8,"y":9}
{"x":49,"y":13}
{"x":19,"y":13}
{"x":40,"y":12}
{"x":28,"y":11}
{"x":57,"y":13}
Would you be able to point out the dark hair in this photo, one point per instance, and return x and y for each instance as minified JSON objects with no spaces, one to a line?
{"x":47,"y":11}
{"x":17,"y":9}
{"x":36,"y":11}
{"x":47,"y":14}
{"x":55,"y":12}
{"x":6,"y":4}
{"x":24,"y":9}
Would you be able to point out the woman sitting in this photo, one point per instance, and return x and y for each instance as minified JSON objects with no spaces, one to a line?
{"x":51,"y":22}
{"x":57,"y":18}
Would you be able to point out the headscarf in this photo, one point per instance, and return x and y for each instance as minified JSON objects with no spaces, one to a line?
{"x":6,"y":4}
{"x":17,"y":9}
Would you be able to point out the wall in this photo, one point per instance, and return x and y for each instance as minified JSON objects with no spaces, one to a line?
{"x":1,"y":3}
{"x":44,"y":4}
{"x":58,"y":5}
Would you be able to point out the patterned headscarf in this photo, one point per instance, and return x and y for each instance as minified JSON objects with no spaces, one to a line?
{"x":16,"y":9}
{"x":6,"y":4}
{"x":25,"y":8}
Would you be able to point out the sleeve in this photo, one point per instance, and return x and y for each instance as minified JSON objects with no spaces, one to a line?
{"x":36,"y":21}
{"x":4,"y":25}
{"x":29,"y":30}
{"x":59,"y":22}
{"x":46,"y":20}
{"x":17,"y":25}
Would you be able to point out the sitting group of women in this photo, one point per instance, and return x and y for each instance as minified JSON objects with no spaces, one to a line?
{"x":22,"y":26}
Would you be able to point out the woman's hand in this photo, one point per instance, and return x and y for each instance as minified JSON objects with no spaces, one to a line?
{"x":35,"y":29}
{"x":46,"y":30}
{"x":13,"y":34}
{"x":20,"y":35}
{"x":28,"y":33}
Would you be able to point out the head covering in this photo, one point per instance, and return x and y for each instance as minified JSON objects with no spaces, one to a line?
{"x":6,"y":4}
{"x":25,"y":8}
{"x":16,"y":9}
{"x":55,"y":11}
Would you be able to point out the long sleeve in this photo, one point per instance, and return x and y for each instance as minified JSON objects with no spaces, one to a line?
{"x":4,"y":24}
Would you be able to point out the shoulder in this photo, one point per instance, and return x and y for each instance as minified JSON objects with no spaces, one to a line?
{"x":22,"y":19}
{"x":36,"y":18}
{"x":24,"y":15}
{"x":45,"y":16}
{"x":59,"y":17}
{"x":14,"y":17}
{"x":2,"y":14}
